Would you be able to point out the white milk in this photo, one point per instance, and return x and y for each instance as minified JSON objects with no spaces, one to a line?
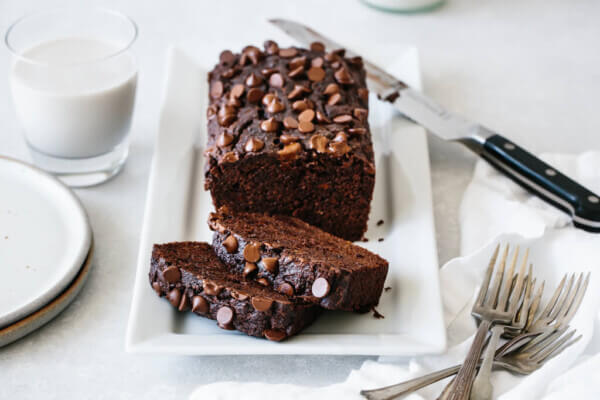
{"x":73,"y":98}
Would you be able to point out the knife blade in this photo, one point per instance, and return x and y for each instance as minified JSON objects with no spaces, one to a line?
{"x":509,"y":158}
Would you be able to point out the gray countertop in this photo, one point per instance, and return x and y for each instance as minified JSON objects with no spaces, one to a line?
{"x":529,"y":69}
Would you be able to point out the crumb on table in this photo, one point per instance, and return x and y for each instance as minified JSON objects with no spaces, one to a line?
{"x":388,"y":288}
{"x":380,"y":222}
{"x":380,"y":240}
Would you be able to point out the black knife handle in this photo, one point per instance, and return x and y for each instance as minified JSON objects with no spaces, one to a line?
{"x":545,"y":181}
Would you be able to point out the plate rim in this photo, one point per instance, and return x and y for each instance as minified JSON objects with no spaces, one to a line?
{"x":53,"y":291}
{"x":137,"y":341}
{"x":36,"y":320}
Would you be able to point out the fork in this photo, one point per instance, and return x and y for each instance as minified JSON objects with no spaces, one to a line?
{"x":544,"y":327}
{"x":493,"y":306}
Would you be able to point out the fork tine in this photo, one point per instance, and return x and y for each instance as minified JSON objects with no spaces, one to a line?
{"x":551,"y":346}
{"x":564,"y":309}
{"x":498,"y":276}
{"x":566,"y":318}
{"x":563,"y":302}
{"x":548,"y":309}
{"x":561,"y":349}
{"x":488,"y":275}
{"x":540,"y":341}
{"x":509,"y":283}
{"x":523,"y":313}
{"x":535,"y":303}
{"x":518,"y":292}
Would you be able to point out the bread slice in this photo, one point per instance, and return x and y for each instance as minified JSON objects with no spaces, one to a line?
{"x":298,"y":259}
{"x":191,"y":277}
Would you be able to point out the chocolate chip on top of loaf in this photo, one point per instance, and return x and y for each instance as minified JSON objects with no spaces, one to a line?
{"x":192,"y":278}
{"x":288,"y":134}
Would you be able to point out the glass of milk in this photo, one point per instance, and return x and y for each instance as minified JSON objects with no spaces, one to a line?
{"x":73,"y":81}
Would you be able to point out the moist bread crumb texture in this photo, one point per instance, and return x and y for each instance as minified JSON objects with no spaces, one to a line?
{"x":191,"y":277}
{"x":299,"y":260}
{"x":288,"y":134}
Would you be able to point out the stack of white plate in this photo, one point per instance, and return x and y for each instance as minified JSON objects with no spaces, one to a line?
{"x":45,"y":248}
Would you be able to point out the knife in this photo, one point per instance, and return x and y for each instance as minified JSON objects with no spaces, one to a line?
{"x":510,"y":159}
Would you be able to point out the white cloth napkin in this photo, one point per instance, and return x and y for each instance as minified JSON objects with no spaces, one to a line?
{"x":494,"y":210}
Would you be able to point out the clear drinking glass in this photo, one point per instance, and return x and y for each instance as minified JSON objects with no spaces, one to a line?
{"x":73,"y":81}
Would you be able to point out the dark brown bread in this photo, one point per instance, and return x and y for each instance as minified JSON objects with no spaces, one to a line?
{"x":192,"y":278}
{"x":298,"y":259}
{"x":288,"y":134}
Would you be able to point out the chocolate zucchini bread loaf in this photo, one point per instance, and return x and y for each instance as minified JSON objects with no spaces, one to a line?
{"x":192,"y":278}
{"x":288,"y":134}
{"x":298,"y":259}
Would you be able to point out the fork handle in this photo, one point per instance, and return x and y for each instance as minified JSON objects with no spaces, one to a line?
{"x":482,"y":386}
{"x":464,"y":380}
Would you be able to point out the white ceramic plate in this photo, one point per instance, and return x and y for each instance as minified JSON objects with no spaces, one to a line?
{"x":177,"y":208}
{"x":44,"y":239}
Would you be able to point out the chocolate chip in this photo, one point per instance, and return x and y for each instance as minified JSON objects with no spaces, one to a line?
{"x":287,"y":139}
{"x":174,"y":297}
{"x":184,"y":305}
{"x":339,"y":52}
{"x":361,"y":113}
{"x":306,"y":126}
{"x":270,"y":264}
{"x":316,"y":74}
{"x":238,"y":296}
{"x":253,"y":80}
{"x":251,"y":53}
{"x":232,"y":101}
{"x":357,"y":131}
{"x":275,"y":106}
{"x":334,"y":99}
{"x":342,"y":118}
{"x":268,"y":98}
{"x":263,"y":281}
{"x":318,"y":143}
{"x":156,"y":287}
{"x":261,"y":304}
{"x":358,"y":61}
{"x":340,"y":137}
{"x":331,"y":57}
{"x":331,"y":89}
{"x":274,"y":334}
{"x":211,"y":288}
{"x":211,"y":110}
{"x":297,"y":62}
{"x":290,"y":122}
{"x":317,"y":62}
{"x":276,"y":80}
{"x":296,"y":72}
{"x":271,"y":47}
{"x":268,"y":71}
{"x":249,"y":269}
{"x":237,"y":90}
{"x":228,"y":74}
{"x":299,"y":105}
{"x":269,"y":125}
{"x":298,"y":91}
{"x":343,"y":76}
{"x":200,"y":305}
{"x":254,"y":95}
{"x":253,"y":145}
{"x":288,"y":53}
{"x":225,"y":317}
{"x":317,"y":46}
{"x":230,"y":243}
{"x":320,"y":288}
{"x":226,"y":115}
{"x":252,"y":252}
{"x":363,"y":94}
{"x":286,"y":289}
{"x":216,"y":89}
{"x":306,"y":116}
{"x":172,"y":274}
{"x":227,"y":57}
{"x":224,"y":139}
{"x":230,"y":157}
{"x":290,"y":151}
{"x":339,"y":148}
{"x":322,"y":118}
{"x":336,"y":64}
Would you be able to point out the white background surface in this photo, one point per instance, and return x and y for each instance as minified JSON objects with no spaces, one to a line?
{"x":530,"y":69}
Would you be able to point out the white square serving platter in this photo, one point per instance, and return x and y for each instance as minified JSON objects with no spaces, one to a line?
{"x":177,"y":208}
